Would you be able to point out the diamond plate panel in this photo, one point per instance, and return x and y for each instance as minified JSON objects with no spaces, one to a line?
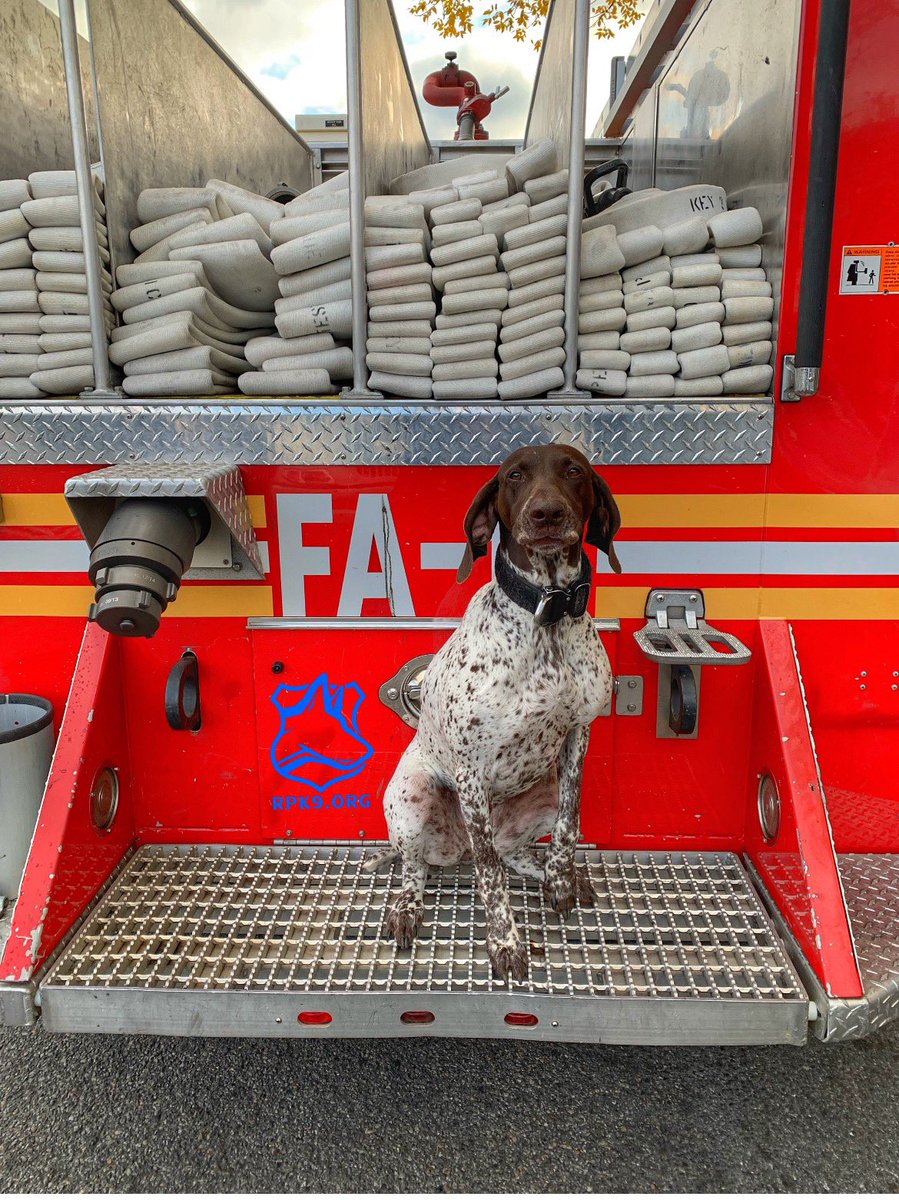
{"x":221,"y":486}
{"x":386,"y":434}
{"x":871,"y":886}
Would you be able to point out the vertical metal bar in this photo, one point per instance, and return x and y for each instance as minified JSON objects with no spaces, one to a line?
{"x":357,"y":199}
{"x":98,"y":125}
{"x":69,"y":36}
{"x":575,"y":194}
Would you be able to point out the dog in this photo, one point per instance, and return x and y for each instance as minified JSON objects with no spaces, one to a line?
{"x":507,"y":704}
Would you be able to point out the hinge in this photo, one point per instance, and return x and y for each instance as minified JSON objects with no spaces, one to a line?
{"x":797,"y":382}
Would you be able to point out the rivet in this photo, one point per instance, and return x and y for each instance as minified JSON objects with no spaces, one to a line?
{"x":362,"y":833}
{"x":864,"y":674}
{"x":278,"y":1020}
{"x":393,"y":693}
{"x":864,"y":687}
{"x":693,"y":596}
{"x":895,"y":687}
{"x":237,"y":566}
{"x":632,"y":683}
{"x":632,"y":708}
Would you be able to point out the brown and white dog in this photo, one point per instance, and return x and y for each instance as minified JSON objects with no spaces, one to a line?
{"x":507,"y":703}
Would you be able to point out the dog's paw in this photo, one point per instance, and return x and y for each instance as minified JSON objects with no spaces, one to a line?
{"x":562,"y":893}
{"x":509,"y":961}
{"x":583,"y":888}
{"x":404,"y":921}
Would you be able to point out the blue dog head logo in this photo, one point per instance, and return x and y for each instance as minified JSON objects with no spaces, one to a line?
{"x":319,"y":742}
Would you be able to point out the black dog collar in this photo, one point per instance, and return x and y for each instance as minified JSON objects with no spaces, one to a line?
{"x":548,"y":604}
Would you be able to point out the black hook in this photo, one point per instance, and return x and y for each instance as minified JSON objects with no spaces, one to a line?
{"x":182,"y":693}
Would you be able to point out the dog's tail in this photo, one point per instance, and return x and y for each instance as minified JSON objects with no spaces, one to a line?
{"x":380,"y":860}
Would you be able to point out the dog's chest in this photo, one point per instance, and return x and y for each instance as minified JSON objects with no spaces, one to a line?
{"x":505,"y":694}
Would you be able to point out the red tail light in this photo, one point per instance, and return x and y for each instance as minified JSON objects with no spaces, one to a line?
{"x":314,"y":1018}
{"x":520,"y":1019}
{"x":417,"y":1016}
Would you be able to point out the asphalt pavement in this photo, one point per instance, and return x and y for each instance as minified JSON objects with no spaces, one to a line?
{"x":156,"y":1114}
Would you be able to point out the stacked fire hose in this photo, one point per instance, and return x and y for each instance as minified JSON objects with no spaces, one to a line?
{"x":399,"y":288}
{"x":314,"y":314}
{"x":201,"y":286}
{"x":453,"y":250}
{"x":309,"y":356}
{"x":465,"y":291}
{"x":45,"y":337}
{"x":680,"y":311}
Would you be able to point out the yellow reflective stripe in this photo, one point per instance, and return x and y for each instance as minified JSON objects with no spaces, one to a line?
{"x":50,"y":508}
{"x":794,"y":604}
{"x":65,"y":600}
{"x":833,"y":512}
{"x":35,"y":508}
{"x":752,"y":510}
{"x":692,"y":511}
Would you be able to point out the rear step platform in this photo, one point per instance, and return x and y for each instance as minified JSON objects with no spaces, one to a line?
{"x":288,"y":941}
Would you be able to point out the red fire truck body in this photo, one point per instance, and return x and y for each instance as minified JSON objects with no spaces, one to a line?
{"x":751,"y":868}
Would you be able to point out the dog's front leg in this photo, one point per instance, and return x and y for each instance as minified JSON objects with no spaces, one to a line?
{"x":563,"y":884}
{"x":508,"y":956}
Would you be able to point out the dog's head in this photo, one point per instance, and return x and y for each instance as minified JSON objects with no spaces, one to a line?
{"x":543,"y":497}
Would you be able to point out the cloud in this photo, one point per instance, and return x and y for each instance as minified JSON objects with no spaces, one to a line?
{"x":294,"y":52}
{"x":280,"y":70}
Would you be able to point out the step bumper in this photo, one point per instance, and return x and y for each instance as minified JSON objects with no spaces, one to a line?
{"x":241,"y":940}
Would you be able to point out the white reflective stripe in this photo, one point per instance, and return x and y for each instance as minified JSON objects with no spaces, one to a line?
{"x":637,"y":557}
{"x":441,"y":556}
{"x":751,"y":558}
{"x":21,"y":557}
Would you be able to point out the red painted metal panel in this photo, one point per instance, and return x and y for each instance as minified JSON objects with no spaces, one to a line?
{"x":193,"y":786}
{"x":799,"y":866}
{"x":683,"y":792}
{"x":852,"y":684}
{"x":69,"y":858}
{"x":39,"y":655}
{"x":846,"y":438}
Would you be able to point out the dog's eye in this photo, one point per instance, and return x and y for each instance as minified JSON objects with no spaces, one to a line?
{"x":573,"y":472}
{"x":514,"y":475}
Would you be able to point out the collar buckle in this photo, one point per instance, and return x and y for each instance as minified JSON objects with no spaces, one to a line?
{"x":556,"y":603}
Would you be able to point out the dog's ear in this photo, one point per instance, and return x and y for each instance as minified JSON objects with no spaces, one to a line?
{"x":604,"y":521}
{"x":480,"y":522}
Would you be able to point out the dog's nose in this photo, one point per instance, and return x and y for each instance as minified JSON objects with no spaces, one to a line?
{"x":547,"y":512}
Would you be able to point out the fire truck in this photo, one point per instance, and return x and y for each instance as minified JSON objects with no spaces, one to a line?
{"x":740,"y":816}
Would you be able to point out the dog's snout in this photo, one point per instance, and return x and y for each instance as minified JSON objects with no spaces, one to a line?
{"x":548,"y":511}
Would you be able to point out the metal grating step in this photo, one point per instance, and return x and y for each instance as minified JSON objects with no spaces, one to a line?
{"x":234,"y":940}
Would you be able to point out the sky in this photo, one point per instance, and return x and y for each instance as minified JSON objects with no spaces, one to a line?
{"x":293,"y":50}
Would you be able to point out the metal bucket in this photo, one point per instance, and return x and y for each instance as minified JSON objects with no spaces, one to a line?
{"x":26,"y":747}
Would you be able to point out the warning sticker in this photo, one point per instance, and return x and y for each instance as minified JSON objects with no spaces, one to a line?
{"x":870,"y":270}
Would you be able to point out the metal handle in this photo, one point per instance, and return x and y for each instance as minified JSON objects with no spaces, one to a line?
{"x":182,"y":693}
{"x":683,"y":701}
{"x":597,"y":204}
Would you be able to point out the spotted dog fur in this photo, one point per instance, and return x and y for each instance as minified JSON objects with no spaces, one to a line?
{"x":506,"y":708}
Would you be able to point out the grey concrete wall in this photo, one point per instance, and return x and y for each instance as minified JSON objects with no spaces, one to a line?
{"x":393,"y":136}
{"x":34,"y":118}
{"x":176,"y":112}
